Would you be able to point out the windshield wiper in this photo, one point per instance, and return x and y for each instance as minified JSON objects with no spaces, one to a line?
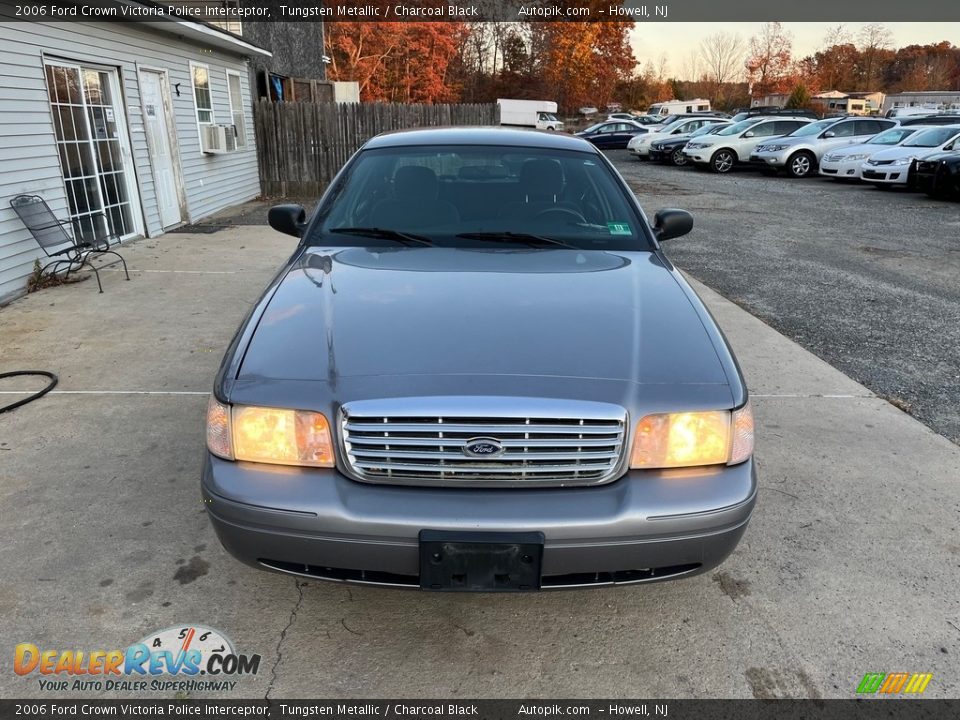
{"x":514,"y":237}
{"x":385,"y":234}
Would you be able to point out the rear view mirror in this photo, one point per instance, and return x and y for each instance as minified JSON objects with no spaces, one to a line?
{"x":288,"y":219}
{"x":749,"y":133}
{"x":829,"y":134}
{"x":670,"y":223}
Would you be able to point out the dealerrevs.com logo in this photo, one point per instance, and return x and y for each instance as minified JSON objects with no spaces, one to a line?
{"x":174,"y":659}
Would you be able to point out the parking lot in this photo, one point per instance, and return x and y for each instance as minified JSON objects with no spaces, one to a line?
{"x":863,"y":278}
{"x":850,"y":565}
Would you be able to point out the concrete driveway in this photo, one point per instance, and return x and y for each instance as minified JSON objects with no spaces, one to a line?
{"x":850,"y":565}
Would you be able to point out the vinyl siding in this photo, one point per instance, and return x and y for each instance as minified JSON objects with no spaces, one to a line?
{"x":28,"y":153}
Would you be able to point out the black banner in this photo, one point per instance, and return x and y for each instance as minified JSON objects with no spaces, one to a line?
{"x":639,"y":11}
{"x":874,"y":708}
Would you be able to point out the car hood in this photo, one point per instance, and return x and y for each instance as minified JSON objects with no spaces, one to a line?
{"x":899,"y":151}
{"x":941,"y":155}
{"x":859,"y":148}
{"x":528,"y":313}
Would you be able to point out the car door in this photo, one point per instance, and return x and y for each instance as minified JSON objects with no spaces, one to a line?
{"x":621,"y":135}
{"x":837,"y":135}
{"x":753,"y":136}
{"x":603,"y":135}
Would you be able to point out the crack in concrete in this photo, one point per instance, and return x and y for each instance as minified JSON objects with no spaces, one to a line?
{"x":283,"y":636}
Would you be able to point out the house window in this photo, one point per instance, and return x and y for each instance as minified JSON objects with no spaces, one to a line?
{"x":236,"y":107}
{"x":201,"y":93}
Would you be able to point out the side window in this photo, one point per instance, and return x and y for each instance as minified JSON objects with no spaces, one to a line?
{"x":200,"y":76}
{"x":844,"y":129}
{"x":235,"y":91}
{"x":883,"y":125}
{"x":867,"y":127}
{"x":764,"y":129}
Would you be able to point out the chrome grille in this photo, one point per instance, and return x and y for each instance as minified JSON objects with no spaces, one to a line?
{"x":548,"y":443}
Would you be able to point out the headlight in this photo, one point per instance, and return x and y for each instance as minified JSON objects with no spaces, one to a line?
{"x":859,"y":156}
{"x":269,"y":435}
{"x":686,"y":439}
{"x":903,"y":161}
{"x":696,"y":146}
{"x":776,"y":148}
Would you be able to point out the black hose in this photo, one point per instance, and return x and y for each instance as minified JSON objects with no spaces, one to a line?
{"x":50,"y":386}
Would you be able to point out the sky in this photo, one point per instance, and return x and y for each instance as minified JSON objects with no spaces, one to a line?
{"x":680,"y":40}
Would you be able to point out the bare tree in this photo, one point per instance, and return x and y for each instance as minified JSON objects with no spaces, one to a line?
{"x":722,"y":54}
{"x":874,"y":38}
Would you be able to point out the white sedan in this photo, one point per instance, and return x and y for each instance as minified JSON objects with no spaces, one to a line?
{"x":846,"y":163}
{"x":639,"y":146}
{"x":892,"y":166}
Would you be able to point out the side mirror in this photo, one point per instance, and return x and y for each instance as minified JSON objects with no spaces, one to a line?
{"x":829,"y":134}
{"x":670,"y":223}
{"x":749,"y":133}
{"x":288,"y":219}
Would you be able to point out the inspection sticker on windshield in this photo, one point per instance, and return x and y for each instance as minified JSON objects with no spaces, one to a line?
{"x":619,"y":228}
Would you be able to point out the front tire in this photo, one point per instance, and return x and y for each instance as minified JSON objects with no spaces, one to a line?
{"x":678,"y":158}
{"x":801,"y":164}
{"x":722,"y":161}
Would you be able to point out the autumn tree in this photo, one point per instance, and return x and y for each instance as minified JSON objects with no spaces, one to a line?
{"x":769,"y":59}
{"x":398,"y":62}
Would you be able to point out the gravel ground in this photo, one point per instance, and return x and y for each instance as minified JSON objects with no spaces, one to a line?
{"x":868,"y":280}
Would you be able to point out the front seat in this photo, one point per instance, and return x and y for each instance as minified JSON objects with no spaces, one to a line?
{"x":415,"y":202}
{"x":541,"y":187}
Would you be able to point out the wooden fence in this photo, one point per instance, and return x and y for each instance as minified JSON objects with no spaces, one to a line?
{"x":301,"y":146}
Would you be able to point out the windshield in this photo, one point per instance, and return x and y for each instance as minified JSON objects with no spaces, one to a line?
{"x":711,"y":128}
{"x":739,"y":127}
{"x":672,"y":126}
{"x":814,"y":128}
{"x":474,"y":196}
{"x":935,"y":137}
{"x":593,"y":127}
{"x":891,"y":136}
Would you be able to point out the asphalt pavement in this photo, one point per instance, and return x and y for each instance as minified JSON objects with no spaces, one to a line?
{"x":868,"y":280}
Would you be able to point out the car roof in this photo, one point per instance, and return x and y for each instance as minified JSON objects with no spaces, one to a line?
{"x":480,"y":136}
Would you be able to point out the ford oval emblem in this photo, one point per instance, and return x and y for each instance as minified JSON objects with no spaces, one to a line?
{"x":482,"y":447}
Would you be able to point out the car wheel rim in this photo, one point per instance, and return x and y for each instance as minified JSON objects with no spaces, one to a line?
{"x":678,"y":158}
{"x":724,"y":162}
{"x":801,"y":165}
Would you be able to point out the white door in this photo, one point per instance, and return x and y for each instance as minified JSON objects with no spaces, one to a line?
{"x":155,"y":99}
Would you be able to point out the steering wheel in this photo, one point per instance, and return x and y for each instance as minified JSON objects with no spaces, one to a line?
{"x":559,"y":215}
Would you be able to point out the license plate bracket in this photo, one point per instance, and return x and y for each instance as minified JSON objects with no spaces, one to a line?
{"x":452,"y":561}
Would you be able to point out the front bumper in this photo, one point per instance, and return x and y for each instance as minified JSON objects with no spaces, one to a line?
{"x":886,"y":174}
{"x":843,"y":169}
{"x":768,"y":159}
{"x":646,"y":526}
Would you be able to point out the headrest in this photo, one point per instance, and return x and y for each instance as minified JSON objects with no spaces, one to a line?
{"x":541,"y":177}
{"x":415,"y":182}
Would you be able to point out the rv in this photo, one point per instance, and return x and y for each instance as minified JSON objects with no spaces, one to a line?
{"x":679,"y":107}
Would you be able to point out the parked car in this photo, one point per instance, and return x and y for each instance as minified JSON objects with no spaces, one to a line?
{"x":670,"y":148}
{"x":931,"y":120}
{"x":722,"y":150}
{"x":891,"y":166}
{"x":846,"y":163}
{"x":938,"y":175}
{"x":771,"y":110}
{"x":800,"y":152}
{"x":639,"y":145}
{"x":610,"y":135}
{"x":643,"y":119}
{"x":599,"y":435}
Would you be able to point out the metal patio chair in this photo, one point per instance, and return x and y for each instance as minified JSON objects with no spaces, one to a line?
{"x":51,"y":234}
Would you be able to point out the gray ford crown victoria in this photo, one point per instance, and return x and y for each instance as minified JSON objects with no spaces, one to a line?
{"x":478,"y":371}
